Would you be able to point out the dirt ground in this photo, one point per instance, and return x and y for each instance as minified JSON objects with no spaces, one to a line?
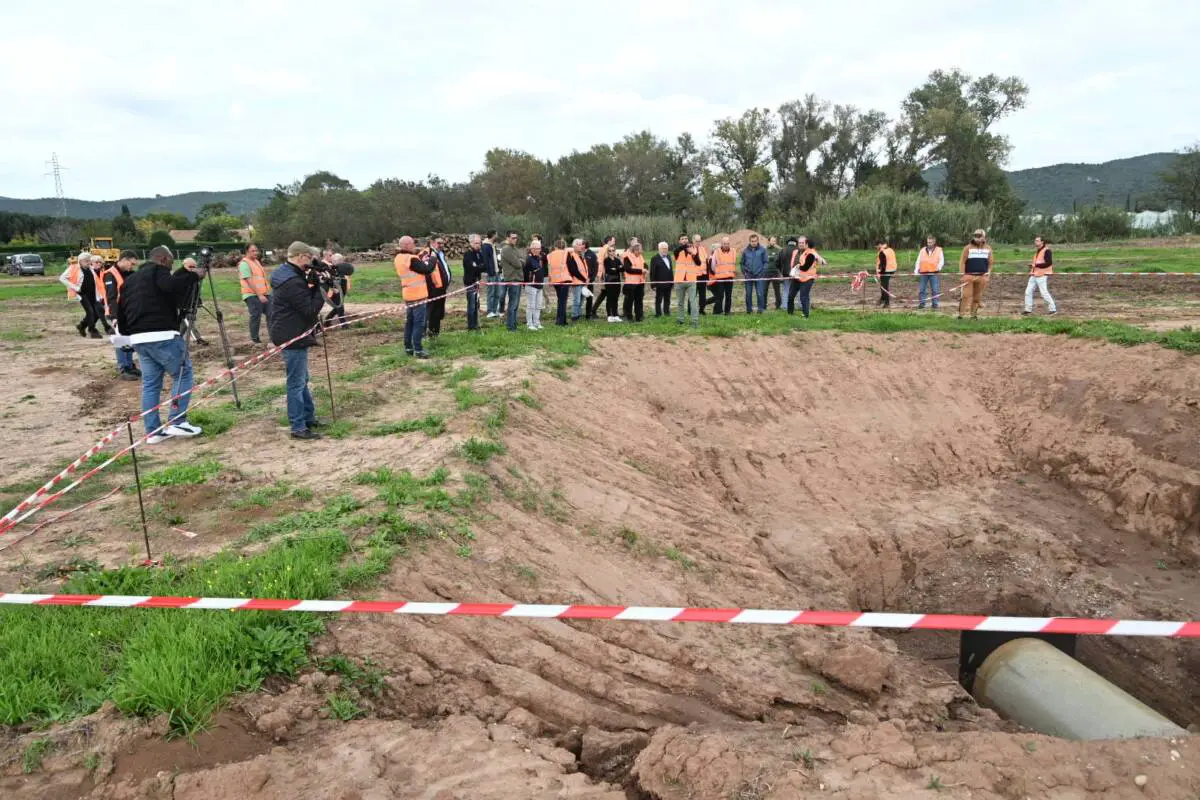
{"x":921,"y":472}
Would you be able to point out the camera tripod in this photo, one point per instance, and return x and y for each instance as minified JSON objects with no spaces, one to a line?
{"x":188,"y":326}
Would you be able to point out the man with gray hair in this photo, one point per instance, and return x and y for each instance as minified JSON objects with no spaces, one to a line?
{"x":341,"y":270}
{"x":474,"y":267}
{"x":296,"y":302}
{"x":152,"y":300}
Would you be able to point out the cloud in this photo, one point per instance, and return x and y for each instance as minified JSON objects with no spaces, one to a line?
{"x":404,"y":89}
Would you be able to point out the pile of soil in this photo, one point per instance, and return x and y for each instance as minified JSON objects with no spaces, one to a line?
{"x":738,"y":240}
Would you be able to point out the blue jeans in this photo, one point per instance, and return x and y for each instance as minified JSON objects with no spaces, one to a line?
{"x":576,"y":301}
{"x":124,"y":358}
{"x":158,"y":360}
{"x":802,"y":288}
{"x":495,"y":295}
{"x":414,"y":326}
{"x":300,"y":408}
{"x":512,"y":293}
{"x":472,"y":307}
{"x":930,"y":286}
{"x":759,"y":286}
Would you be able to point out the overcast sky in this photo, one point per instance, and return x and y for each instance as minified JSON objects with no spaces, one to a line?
{"x":143,"y":98}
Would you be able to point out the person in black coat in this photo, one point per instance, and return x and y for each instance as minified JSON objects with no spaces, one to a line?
{"x":295,"y":308}
{"x":474,"y":267}
{"x":662,"y":275}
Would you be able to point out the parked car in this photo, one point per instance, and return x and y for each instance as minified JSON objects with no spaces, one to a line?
{"x":26,"y":264}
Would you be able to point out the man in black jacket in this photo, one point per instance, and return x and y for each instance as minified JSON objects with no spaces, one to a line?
{"x":474,"y":266}
{"x":152,"y":303}
{"x":295,"y":308}
{"x":662,"y":273}
{"x":113,"y":279}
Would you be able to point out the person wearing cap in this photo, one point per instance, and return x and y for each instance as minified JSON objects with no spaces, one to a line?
{"x":152,"y":300}
{"x":975,"y":264}
{"x":295,"y":310}
{"x":113,"y":281}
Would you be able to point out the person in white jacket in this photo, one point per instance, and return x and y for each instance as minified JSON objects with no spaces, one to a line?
{"x":930,"y":260}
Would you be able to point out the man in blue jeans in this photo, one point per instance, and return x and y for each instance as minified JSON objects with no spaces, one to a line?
{"x":754,"y":270}
{"x":491,"y":264}
{"x":296,"y":302}
{"x":474,"y":267}
{"x":512,"y":272}
{"x":150,"y":309}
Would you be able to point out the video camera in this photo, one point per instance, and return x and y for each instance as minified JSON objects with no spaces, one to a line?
{"x":330,"y":277}
{"x":205,"y":258}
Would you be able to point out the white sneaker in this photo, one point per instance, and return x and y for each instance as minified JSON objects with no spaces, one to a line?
{"x":161,"y":436}
{"x":183,"y":430}
{"x":492,"y":315}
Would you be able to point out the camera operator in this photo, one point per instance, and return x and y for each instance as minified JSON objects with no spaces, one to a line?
{"x":192,"y":308}
{"x":340,"y":272}
{"x":297,"y":297}
{"x":151,"y":302}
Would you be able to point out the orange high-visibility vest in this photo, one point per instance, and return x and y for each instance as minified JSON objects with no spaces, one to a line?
{"x":638,"y":262}
{"x":581,"y":266}
{"x":798,"y":258}
{"x":889,"y":264}
{"x":686,"y":268}
{"x":1039,"y":263}
{"x":119,"y":277}
{"x":724,"y":264}
{"x":436,"y":275}
{"x":928,"y":262}
{"x":256,"y":284}
{"x":557,"y":261}
{"x":412,"y":283}
{"x":75,"y":278}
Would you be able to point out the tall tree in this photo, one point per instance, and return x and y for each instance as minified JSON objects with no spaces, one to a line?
{"x":211,"y":210}
{"x":950,"y":119}
{"x":323,"y":181}
{"x":738,"y":146}
{"x":1181,"y":181}
{"x":804,"y":127}
{"x":512,"y":180}
{"x":124,"y":228}
{"x":644,"y":167}
{"x":848,"y":157}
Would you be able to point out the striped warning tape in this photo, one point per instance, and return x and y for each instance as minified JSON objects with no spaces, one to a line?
{"x":752,"y":616}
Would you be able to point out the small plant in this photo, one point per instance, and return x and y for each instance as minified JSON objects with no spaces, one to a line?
{"x":31,"y":759}
{"x":75,"y":540}
{"x":628,"y":535}
{"x":935,"y":783}
{"x":1030,"y":747}
{"x":528,"y":400}
{"x":496,"y":420}
{"x":526,"y":572}
{"x":807,"y":757}
{"x":91,"y":762}
{"x":479,"y":451}
{"x":463,"y":375}
{"x":431,"y":425}
{"x":1160,"y":564}
{"x":338,"y":430}
{"x":343,"y":707}
{"x":673,"y":553}
{"x":365,"y":678}
{"x":302,"y":493}
{"x":819,"y":688}
{"x":463,"y":551}
{"x":466,"y":397}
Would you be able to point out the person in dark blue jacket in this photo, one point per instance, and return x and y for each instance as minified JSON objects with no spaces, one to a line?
{"x":754,"y":270}
{"x":491,"y":263}
{"x":295,"y":308}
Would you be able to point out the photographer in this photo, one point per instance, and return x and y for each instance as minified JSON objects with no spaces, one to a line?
{"x":296,"y":301}
{"x":151,"y":302}
{"x":340,"y":272}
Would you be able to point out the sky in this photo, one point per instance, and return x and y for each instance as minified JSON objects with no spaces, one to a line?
{"x":150,"y":98}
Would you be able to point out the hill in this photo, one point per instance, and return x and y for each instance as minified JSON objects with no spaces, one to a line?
{"x":240,"y":201}
{"x":1061,"y":187}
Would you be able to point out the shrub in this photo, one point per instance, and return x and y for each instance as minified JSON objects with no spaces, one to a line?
{"x":650,"y":229}
{"x":903,"y":218}
{"x":161,"y":238}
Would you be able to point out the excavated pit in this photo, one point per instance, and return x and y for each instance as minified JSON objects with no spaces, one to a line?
{"x":1014,"y":475}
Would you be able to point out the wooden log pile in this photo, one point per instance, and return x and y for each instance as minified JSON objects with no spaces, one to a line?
{"x":456,"y":245}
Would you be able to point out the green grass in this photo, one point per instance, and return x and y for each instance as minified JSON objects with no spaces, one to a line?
{"x":480,"y":451}
{"x":673,"y":553}
{"x":466,"y":397}
{"x":463,"y":375}
{"x":182,"y":474}
{"x":341,"y":706}
{"x":215,"y":420}
{"x":431,"y":425}
{"x":60,"y":663}
{"x":35,"y":752}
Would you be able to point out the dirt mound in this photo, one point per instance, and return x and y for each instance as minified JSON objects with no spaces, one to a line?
{"x":738,"y":240}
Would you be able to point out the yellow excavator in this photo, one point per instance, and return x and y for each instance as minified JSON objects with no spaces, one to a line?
{"x":103,"y":247}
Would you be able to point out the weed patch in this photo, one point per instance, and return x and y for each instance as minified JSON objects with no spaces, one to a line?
{"x":182,"y":474}
{"x":480,"y":451}
{"x":431,"y":425}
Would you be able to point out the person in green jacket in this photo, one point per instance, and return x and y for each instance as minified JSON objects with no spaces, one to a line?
{"x":773,"y":273}
{"x":512,"y":273}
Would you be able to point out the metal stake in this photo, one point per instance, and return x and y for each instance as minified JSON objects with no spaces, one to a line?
{"x":137,"y":477}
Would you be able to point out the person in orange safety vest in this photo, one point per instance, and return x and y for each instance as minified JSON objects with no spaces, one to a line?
{"x":256,"y":294}
{"x":1039,"y":276}
{"x":414,"y":270}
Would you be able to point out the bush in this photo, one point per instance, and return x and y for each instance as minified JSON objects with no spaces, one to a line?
{"x":650,"y":229}
{"x":903,"y":218}
{"x":161,"y":238}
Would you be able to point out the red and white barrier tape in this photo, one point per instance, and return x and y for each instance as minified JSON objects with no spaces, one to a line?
{"x":743,"y":616}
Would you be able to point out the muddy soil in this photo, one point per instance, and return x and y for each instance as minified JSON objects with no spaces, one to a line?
{"x":917,"y":472}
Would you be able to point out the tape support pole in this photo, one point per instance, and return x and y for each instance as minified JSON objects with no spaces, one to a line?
{"x":744,"y":616}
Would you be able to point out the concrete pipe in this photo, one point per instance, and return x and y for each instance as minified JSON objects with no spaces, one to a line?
{"x":1037,"y":685}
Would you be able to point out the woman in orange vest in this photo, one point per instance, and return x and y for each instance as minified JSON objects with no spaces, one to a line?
{"x":1039,"y":275}
{"x":255,"y":291}
{"x":634,"y":267}
{"x":885,"y":268}
{"x":930,"y":260}
{"x":724,"y":270}
{"x":688,"y":270}
{"x":803,"y":273}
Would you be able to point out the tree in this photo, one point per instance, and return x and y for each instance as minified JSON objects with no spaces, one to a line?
{"x":218,"y":229}
{"x":323,"y":181}
{"x":512,"y":180}
{"x":949,"y":120}
{"x":209,"y":210}
{"x":1181,"y":181}
{"x":161,"y":237}
{"x":124,"y":229}
{"x":738,"y":147}
{"x":167,"y":220}
{"x":803,"y":128}
{"x":848,"y":155}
